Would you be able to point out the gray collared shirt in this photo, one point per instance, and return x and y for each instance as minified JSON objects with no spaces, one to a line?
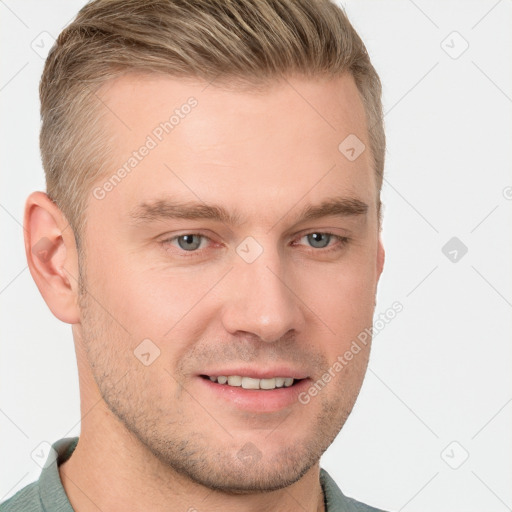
{"x":47,"y":493}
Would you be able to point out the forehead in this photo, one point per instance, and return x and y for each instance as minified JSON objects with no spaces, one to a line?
{"x":257,"y":150}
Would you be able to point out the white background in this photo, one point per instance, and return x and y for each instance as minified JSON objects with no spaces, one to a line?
{"x":441,"y":370}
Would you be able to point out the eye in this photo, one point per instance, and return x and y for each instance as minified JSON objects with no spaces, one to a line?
{"x":318,"y":240}
{"x":327,"y":241}
{"x":189,"y":242}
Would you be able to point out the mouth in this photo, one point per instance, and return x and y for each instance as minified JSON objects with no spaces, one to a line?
{"x":254,"y":390}
{"x":267,"y":384}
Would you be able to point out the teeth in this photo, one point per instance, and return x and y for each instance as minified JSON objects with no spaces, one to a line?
{"x":267,"y":384}
{"x":251,"y":383}
{"x":235,"y":380}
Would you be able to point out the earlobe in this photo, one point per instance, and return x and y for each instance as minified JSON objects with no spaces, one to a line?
{"x":51,"y":255}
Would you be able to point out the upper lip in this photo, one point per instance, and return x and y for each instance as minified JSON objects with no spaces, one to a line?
{"x":258,"y":373}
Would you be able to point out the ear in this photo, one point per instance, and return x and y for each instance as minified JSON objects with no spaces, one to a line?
{"x":52,"y":256}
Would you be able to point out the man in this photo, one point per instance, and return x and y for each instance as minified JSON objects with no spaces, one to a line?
{"x":211,"y":232}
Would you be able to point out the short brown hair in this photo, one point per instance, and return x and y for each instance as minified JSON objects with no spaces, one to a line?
{"x":247,"y":42}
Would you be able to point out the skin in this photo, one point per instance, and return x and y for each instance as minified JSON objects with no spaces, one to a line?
{"x":156,"y":437}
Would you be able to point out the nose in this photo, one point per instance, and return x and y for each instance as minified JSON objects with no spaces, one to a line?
{"x":260,"y":300}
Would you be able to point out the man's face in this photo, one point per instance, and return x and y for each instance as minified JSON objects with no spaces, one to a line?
{"x":260,"y":293}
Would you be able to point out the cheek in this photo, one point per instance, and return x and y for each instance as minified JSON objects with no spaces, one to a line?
{"x":346,"y":308}
{"x":343,"y":302}
{"x":153,"y":302}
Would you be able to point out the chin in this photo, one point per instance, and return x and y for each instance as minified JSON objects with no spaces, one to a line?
{"x":233,"y":476}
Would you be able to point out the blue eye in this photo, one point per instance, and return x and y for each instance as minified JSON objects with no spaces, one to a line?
{"x":319,"y":240}
{"x":195,"y":244}
{"x":324,"y":242}
{"x":189,"y":242}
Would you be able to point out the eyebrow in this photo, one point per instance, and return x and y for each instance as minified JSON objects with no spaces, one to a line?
{"x":163,"y":209}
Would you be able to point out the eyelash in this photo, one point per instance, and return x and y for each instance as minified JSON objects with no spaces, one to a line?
{"x":342,"y":242}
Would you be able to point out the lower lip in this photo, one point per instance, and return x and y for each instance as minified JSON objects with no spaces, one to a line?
{"x":257,"y":400}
